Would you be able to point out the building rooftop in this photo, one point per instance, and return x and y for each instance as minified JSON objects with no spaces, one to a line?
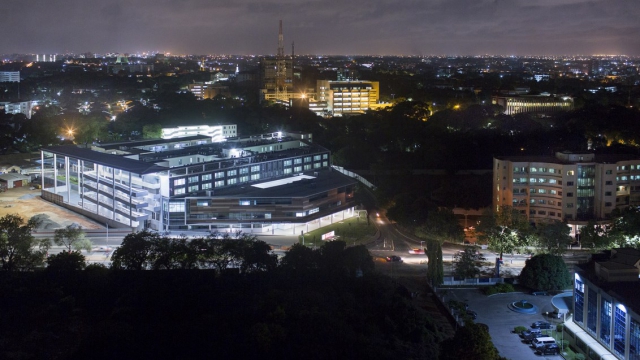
{"x":129,"y":165}
{"x":599,"y":158}
{"x":619,"y":259}
{"x":311,"y":184}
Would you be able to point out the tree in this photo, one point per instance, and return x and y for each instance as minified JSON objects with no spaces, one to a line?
{"x":358,"y":258}
{"x":442,"y":225}
{"x":300,"y":258}
{"x":135,"y":251}
{"x":471,"y":341}
{"x":152,"y":131}
{"x":66,"y":261}
{"x":553,"y":236}
{"x":595,"y":237}
{"x":505,"y":230}
{"x":466,"y":263}
{"x":545,"y":272}
{"x":72,"y":237}
{"x":19,"y":250}
{"x":435,"y":269}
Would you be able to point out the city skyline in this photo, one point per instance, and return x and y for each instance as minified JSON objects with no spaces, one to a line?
{"x":430,"y":27}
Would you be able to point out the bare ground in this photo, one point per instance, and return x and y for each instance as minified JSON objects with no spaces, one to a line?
{"x":28,"y":203}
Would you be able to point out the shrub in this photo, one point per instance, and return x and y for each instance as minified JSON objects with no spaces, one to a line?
{"x":559,"y":327}
{"x":563,"y":344}
{"x":579,"y":357}
{"x":497,"y":288}
{"x":519,"y":329}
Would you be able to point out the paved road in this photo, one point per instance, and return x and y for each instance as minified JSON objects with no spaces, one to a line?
{"x":493,"y":311}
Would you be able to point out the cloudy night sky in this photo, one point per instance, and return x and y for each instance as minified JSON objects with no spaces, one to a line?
{"x":385,"y":27}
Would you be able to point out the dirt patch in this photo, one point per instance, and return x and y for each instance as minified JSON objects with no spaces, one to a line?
{"x":28,"y":203}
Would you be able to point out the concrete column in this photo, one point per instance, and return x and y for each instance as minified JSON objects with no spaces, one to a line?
{"x":41,"y":170}
{"x":55,"y":173}
{"x":130,"y":202}
{"x":67,"y":170}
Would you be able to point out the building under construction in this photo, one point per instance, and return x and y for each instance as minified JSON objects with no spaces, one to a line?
{"x":277,"y":75}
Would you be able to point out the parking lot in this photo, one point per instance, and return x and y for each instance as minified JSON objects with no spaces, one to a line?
{"x":494,"y":311}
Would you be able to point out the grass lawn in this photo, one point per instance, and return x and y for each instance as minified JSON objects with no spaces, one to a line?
{"x":353,"y":231}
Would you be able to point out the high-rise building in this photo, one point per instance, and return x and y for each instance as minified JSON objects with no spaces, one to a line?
{"x":575,"y":187}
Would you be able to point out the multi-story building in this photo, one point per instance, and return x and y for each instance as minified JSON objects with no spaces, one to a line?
{"x":9,"y":76}
{"x":217,"y":133}
{"x":570,"y":186}
{"x":606,"y":317}
{"x":533,"y":104}
{"x":20,"y":107}
{"x":203,"y":91}
{"x":347,"y":97}
{"x":258,"y":184}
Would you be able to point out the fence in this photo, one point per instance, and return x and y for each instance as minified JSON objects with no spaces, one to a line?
{"x":451,"y":281}
{"x":366,"y":182}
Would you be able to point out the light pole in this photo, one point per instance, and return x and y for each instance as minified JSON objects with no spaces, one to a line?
{"x":107,"y":235}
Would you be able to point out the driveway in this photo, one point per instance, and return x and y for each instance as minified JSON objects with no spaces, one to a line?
{"x":494,"y":312}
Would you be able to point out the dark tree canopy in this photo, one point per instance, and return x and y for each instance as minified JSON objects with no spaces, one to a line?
{"x":545,"y":272}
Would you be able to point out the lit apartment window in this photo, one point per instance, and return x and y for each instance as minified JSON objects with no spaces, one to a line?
{"x":232,"y":173}
{"x":206,"y":177}
{"x":206,"y":186}
{"x":193,"y":179}
{"x":232,"y":181}
{"x":244,"y":179}
{"x":287,"y":171}
{"x":255,"y":176}
{"x":255,"y":168}
{"x":179,"y":191}
{"x":570,"y":172}
{"x":193,"y":188}
{"x":202,"y":203}
{"x":178,"y":182}
{"x":219,"y":183}
{"x":220,"y":175}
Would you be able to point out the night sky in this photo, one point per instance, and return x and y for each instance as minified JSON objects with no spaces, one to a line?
{"x":384,"y":27}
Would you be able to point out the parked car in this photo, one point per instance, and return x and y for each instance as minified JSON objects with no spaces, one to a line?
{"x":550,"y":349}
{"x":532,"y":337}
{"x":394,"y":258}
{"x":539,"y":293}
{"x":529,"y":332}
{"x":541,"y":342}
{"x":416,"y":251}
{"x":541,"y":325}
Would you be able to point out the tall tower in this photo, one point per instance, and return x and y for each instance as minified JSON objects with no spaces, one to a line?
{"x":281,"y":69}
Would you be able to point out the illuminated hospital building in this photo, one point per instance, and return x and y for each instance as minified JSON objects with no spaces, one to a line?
{"x":267,"y":183}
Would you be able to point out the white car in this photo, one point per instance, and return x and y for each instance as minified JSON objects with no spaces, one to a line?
{"x":102,"y":249}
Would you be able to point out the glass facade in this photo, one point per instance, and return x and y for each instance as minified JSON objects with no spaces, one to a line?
{"x":579,"y":301}
{"x":634,"y":341}
{"x":592,"y":311}
{"x":585,"y":191}
{"x":619,"y":325}
{"x":605,"y":322}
